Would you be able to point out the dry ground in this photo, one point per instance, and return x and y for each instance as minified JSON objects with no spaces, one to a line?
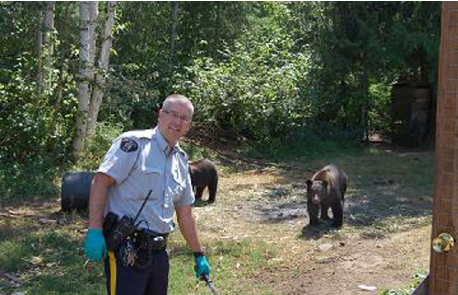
{"x":383,"y":244}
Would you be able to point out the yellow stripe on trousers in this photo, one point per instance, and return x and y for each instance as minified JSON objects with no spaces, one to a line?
{"x":112,"y":262}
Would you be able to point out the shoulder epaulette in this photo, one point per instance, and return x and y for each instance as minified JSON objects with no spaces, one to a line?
{"x":147,"y":133}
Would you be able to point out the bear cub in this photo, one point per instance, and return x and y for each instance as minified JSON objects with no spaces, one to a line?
{"x":326,"y":190}
{"x":204,"y":174}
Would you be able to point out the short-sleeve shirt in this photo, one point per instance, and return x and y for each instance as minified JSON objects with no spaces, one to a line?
{"x":142,"y":161}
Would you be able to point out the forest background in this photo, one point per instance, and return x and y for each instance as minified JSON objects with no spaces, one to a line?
{"x":272,"y":76}
{"x":284,"y":87}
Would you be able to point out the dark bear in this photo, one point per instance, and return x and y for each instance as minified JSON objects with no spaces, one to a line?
{"x":326,"y":189}
{"x":204,"y":173}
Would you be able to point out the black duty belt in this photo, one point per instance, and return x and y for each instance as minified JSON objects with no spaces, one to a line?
{"x":139,"y":248}
{"x":150,"y":240}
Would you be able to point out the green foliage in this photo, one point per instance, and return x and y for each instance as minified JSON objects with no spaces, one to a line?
{"x":316,"y":141}
{"x":254,"y":93}
{"x":196,"y":152}
{"x":31,"y":124}
{"x":418,"y":278}
{"x":380,"y":111}
{"x":17,"y":31}
{"x":212,"y":26}
{"x":33,"y":179}
{"x":97,"y":145}
{"x":131,"y":100}
{"x":13,"y":255}
{"x":272,"y":72}
{"x":34,"y":138}
{"x":54,"y":256}
{"x":358,"y":45}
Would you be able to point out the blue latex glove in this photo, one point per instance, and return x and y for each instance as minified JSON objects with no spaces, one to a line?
{"x":202,"y":266}
{"x":94,"y":246}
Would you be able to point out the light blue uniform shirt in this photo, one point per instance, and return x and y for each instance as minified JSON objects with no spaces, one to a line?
{"x":150,"y":166}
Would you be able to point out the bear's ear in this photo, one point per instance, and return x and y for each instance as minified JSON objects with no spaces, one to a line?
{"x":308,"y":182}
{"x":325,"y":183}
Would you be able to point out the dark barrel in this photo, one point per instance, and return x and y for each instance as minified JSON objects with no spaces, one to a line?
{"x":75,"y":190}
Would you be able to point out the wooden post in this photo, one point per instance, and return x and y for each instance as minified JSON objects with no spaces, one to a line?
{"x":443,"y":278}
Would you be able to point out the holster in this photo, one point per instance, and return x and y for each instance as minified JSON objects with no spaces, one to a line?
{"x":109,"y":223}
{"x":151,"y":241}
{"x":137,"y":247}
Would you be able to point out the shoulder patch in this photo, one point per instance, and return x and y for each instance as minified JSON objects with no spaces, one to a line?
{"x":128,"y":145}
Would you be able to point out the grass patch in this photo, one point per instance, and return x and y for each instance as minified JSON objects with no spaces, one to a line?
{"x":411,"y":171}
{"x":390,"y":192}
{"x":32,"y":180}
{"x":50,"y":261}
{"x":417,"y":279}
{"x":232,"y":262}
{"x":13,"y":255}
{"x":302,"y":149}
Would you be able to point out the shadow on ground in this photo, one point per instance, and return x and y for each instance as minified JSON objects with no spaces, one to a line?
{"x":375,"y":207}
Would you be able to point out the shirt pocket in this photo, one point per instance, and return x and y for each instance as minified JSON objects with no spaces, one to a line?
{"x":152,"y":169}
{"x":151,"y":178}
{"x":179,"y":184}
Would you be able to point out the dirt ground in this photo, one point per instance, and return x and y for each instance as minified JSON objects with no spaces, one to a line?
{"x":384,"y":241}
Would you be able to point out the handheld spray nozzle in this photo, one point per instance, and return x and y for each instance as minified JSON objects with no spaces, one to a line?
{"x":209,"y":283}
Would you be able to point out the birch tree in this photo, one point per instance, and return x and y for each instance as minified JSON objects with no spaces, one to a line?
{"x":48,"y":44}
{"x":45,"y":46}
{"x":102,"y":69}
{"x":86,"y":73}
{"x":92,"y":79}
{"x":173,"y":33}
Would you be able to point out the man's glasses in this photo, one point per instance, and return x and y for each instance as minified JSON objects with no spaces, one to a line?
{"x":183,"y":118}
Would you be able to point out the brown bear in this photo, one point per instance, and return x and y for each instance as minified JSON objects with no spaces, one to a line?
{"x":326,"y":190}
{"x":204,"y":173}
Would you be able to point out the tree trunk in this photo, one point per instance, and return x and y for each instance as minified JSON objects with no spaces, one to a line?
{"x":86,"y":74}
{"x":443,"y":275}
{"x":39,"y":53}
{"x":48,"y":45}
{"x":173,"y":34}
{"x":62,"y":54}
{"x":343,"y":96}
{"x":102,"y":71}
{"x":93,"y":15}
{"x":365,"y":102}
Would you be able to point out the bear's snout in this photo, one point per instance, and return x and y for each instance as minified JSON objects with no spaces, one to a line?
{"x":316,"y":199}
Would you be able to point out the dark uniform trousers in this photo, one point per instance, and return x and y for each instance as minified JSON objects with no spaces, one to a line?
{"x":149,"y":278}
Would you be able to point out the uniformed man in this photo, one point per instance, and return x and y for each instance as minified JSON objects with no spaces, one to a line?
{"x":140,"y":165}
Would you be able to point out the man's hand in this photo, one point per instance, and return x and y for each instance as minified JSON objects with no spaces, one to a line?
{"x":94,"y":246}
{"x":202,"y":266}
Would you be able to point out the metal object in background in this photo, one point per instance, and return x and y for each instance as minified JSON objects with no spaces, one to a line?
{"x":75,"y":190}
{"x":422,"y":289}
{"x":443,"y":243}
